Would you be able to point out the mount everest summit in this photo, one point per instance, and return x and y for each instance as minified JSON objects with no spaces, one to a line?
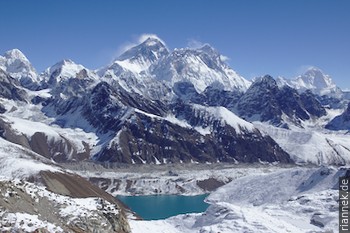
{"x":154,"y":105}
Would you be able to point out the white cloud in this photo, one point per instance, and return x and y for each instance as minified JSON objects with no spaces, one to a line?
{"x":224,"y":58}
{"x":145,"y":36}
{"x":124,"y":47}
{"x":194,"y":44}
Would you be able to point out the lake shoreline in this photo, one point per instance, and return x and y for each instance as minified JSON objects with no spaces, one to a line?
{"x":157,"y":207}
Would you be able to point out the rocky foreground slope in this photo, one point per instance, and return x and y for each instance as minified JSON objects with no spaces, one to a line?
{"x":38,"y":196}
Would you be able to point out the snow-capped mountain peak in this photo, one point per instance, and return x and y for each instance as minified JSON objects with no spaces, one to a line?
{"x":313,"y":79}
{"x":140,"y":57}
{"x":151,"y":46}
{"x":266,"y":79}
{"x":152,"y":41}
{"x":151,"y":62}
{"x":15,"y":54}
{"x":18,"y":66}
{"x":66,"y":69}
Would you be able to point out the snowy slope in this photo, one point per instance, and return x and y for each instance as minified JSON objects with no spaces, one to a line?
{"x":76,"y":137}
{"x":27,"y":125}
{"x":275,"y":187}
{"x":307,"y":145}
{"x":222,"y":114}
{"x":18,"y":162}
{"x":225,"y":116}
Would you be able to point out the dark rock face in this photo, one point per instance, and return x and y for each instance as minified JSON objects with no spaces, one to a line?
{"x":144,"y":139}
{"x":58,"y":150}
{"x":103,"y":109}
{"x":186,"y":91}
{"x":265,"y":101}
{"x":331,"y":102}
{"x":210,"y":184}
{"x":9,"y":88}
{"x":106,"y":106}
{"x":2,"y":109}
{"x":219,"y":97}
{"x":260,"y":101}
{"x":39,"y":100}
{"x":243,"y":146}
{"x":341,"y":122}
{"x":103,"y":106}
{"x":290,"y":103}
{"x":311,"y":104}
{"x":211,"y":96}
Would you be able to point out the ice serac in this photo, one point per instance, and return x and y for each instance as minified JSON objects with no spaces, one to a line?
{"x":313,"y":79}
{"x":202,"y":67}
{"x":16,"y":64}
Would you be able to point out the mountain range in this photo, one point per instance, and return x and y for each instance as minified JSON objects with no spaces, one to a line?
{"x":180,"y":107}
{"x":154,"y":105}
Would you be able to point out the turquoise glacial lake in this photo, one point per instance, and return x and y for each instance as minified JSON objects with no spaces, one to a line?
{"x":156,"y":207}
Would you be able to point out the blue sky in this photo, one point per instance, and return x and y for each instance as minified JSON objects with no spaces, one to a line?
{"x":276,"y":37}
